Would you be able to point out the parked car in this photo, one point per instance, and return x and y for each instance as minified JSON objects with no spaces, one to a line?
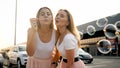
{"x":1,"y":60}
{"x":2,"y":57}
{"x":17,"y":55}
{"x":85,"y":56}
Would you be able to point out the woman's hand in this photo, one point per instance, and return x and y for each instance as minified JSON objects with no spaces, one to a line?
{"x":33,"y":22}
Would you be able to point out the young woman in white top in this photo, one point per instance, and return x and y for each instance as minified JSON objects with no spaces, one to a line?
{"x":68,"y":41}
{"x":41,"y":40}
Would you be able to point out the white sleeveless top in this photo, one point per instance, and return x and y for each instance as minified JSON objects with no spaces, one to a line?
{"x":44,"y":50}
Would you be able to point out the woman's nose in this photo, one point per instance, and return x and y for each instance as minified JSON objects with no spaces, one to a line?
{"x":45,"y":15}
{"x":57,"y":17}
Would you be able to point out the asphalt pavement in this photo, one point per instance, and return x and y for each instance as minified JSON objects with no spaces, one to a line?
{"x":105,"y":62}
{"x":101,"y":62}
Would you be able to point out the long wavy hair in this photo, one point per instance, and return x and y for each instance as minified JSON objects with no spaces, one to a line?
{"x":37,"y":16}
{"x":71,"y":27}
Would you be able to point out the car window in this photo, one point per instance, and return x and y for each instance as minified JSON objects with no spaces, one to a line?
{"x":22,"y":48}
{"x":15,"y":49}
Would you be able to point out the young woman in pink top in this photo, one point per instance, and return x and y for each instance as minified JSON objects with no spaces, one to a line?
{"x":68,"y":41}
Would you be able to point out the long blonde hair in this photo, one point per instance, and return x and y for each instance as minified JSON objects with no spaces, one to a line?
{"x":71,"y":27}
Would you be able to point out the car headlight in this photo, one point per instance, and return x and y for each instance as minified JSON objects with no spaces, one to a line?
{"x":91,"y":56}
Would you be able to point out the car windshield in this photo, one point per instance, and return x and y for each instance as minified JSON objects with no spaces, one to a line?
{"x":22,"y":48}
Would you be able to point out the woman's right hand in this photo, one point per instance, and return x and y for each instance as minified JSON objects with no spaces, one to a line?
{"x":33,"y":22}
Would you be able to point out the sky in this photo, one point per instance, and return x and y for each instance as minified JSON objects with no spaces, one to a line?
{"x":83,"y":11}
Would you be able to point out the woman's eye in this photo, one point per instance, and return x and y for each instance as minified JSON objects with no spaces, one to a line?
{"x":48,"y":14}
{"x":45,"y":14}
{"x":42,"y":14}
{"x":61,"y":15}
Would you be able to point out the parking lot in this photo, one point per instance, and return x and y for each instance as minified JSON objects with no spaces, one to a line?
{"x":98,"y":62}
{"x":101,"y":62}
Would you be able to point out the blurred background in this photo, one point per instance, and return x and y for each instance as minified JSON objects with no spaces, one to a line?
{"x":15,"y":15}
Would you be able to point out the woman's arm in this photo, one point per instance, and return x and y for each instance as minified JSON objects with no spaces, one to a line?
{"x":70,"y":58}
{"x":31,"y":45}
{"x":31,"y":39}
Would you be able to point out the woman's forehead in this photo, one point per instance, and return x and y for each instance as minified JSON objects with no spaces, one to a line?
{"x":45,"y":10}
{"x":62,"y":12}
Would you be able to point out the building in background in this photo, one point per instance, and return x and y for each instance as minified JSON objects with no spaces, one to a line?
{"x":93,"y":32}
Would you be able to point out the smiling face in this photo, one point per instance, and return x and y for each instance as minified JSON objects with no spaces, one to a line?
{"x":61,"y":19}
{"x":45,"y":16}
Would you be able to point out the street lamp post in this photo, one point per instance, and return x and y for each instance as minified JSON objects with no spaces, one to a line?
{"x":15,"y":22}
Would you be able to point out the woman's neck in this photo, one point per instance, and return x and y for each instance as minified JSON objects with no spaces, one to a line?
{"x":44,"y":29}
{"x":63,"y":31}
